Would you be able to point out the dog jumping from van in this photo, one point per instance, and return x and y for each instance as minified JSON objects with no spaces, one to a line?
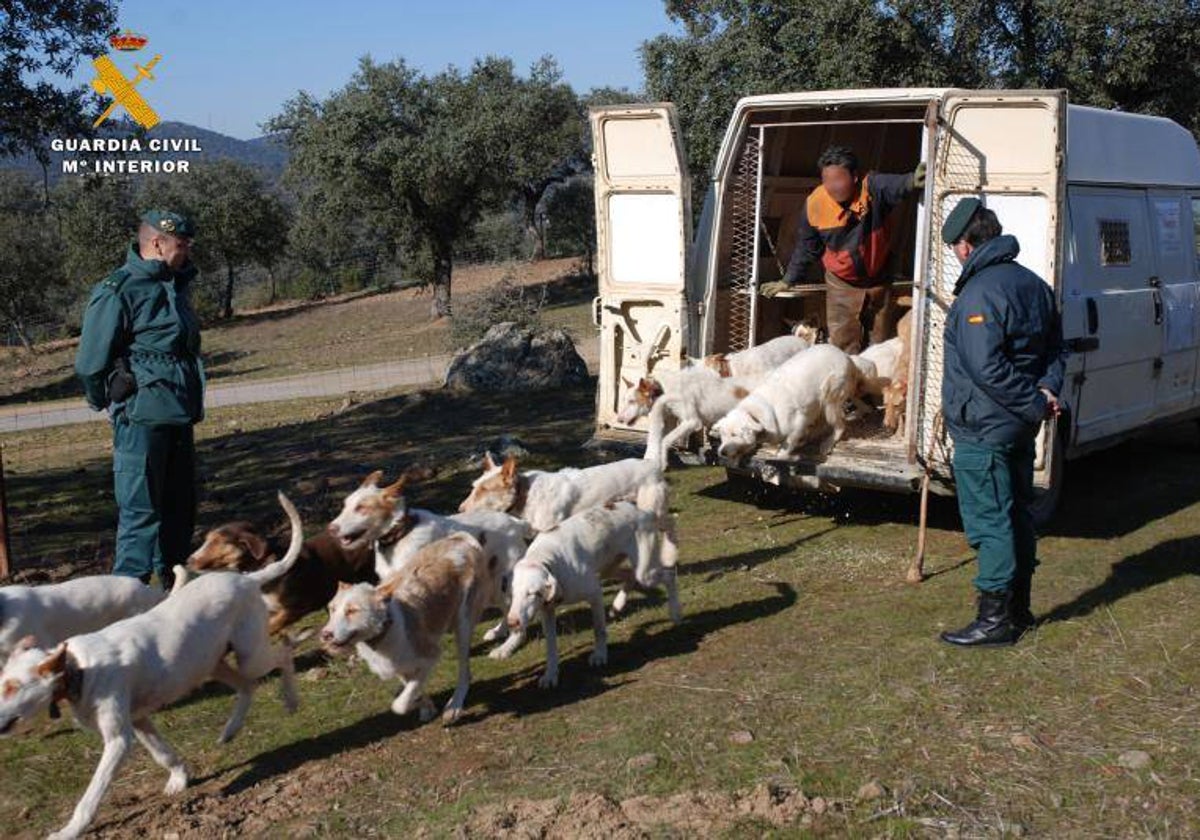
{"x":801,"y":399}
{"x":693,"y":398}
{"x":117,"y":677}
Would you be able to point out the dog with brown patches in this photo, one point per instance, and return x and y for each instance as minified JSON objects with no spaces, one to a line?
{"x":309,"y":584}
{"x":692,"y":398}
{"x":895,"y":395}
{"x":116,"y":678}
{"x":397,"y":626}
{"x":380,"y":517}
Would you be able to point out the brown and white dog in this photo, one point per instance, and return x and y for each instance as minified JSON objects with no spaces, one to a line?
{"x":380,"y":517}
{"x":309,"y":584}
{"x":397,"y":626}
{"x":895,"y":395}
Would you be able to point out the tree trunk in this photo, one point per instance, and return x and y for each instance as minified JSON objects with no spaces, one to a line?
{"x":271,"y":275}
{"x":443,"y":265}
{"x":530,"y":199}
{"x":227,"y":297}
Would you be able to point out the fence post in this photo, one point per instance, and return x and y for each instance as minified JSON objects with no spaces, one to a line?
{"x":5,"y":567}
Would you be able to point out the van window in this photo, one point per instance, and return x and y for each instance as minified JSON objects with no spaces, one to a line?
{"x":1114,"y":242}
{"x":1196,"y":229}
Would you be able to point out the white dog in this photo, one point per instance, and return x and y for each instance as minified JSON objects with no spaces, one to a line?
{"x":58,"y":611}
{"x":694,"y":398}
{"x":763,"y":358}
{"x":397,"y":626}
{"x":544,"y":499}
{"x":877,"y":364}
{"x":117,"y":677}
{"x":806,"y":395}
{"x":568,"y":564}
{"x":380,"y":515}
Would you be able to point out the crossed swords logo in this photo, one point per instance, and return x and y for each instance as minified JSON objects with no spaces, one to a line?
{"x":112,"y":80}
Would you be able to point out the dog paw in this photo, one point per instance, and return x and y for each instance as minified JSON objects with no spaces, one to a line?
{"x":497,"y":632}
{"x":502,"y":652}
{"x":548,"y":680}
{"x":176,"y":783}
{"x":450,"y":716}
{"x":598,"y":658}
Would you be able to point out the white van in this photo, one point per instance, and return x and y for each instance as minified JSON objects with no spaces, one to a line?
{"x":1106,"y":207}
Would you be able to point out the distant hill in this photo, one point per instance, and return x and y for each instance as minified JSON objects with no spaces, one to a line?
{"x":266,"y":154}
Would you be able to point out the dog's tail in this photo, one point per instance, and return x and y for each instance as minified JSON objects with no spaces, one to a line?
{"x":280,"y":567}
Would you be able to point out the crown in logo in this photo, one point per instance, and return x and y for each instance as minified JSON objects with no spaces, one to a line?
{"x":128,"y":41}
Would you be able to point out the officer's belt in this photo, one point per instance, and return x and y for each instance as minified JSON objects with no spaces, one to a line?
{"x":156,"y":355}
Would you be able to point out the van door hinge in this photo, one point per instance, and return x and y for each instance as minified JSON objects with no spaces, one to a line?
{"x":700,"y":308}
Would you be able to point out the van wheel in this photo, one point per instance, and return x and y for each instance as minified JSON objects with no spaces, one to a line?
{"x":1045,"y":502}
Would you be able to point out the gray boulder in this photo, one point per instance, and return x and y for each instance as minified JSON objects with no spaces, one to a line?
{"x":512,"y":358}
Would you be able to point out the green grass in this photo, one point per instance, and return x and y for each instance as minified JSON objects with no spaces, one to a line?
{"x":798,"y":628}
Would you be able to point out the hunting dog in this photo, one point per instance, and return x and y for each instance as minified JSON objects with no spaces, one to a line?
{"x":568,"y":564}
{"x":307,"y":587}
{"x":397,"y":626}
{"x":806,"y":395}
{"x":380,"y":517}
{"x":761,"y":359}
{"x":115,"y":678}
{"x":895,"y":395}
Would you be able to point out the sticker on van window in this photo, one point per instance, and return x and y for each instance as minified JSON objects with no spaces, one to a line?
{"x":1170,"y":237}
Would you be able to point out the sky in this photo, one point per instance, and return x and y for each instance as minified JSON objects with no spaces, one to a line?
{"x":228,"y":66}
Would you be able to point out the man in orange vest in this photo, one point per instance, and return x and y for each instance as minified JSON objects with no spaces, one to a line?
{"x":847,"y":224}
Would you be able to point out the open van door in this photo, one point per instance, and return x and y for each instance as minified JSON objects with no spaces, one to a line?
{"x":1007,"y":146}
{"x":643,"y":228}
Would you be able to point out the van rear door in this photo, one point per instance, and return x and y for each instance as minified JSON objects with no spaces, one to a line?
{"x":1007,"y":146}
{"x":643,"y":228}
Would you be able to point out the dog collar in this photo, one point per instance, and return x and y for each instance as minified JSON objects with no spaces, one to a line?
{"x":70,"y":687}
{"x":399,"y":531}
{"x":518,"y":505}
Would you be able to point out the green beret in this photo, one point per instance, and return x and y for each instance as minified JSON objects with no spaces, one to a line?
{"x":956,"y":223}
{"x":168,"y":222}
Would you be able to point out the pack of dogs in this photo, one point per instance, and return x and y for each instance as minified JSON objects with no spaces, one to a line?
{"x":396,"y":580}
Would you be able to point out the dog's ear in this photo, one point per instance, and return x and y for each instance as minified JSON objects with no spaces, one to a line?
{"x":417,"y":474}
{"x":509,"y":472}
{"x":25,"y":643}
{"x":396,"y":490}
{"x":651,"y":387}
{"x":550,"y":590}
{"x":373,"y":479}
{"x":343,"y":586}
{"x":254,"y":545}
{"x":55,"y":663}
{"x":625,"y":381}
{"x":488,"y":463}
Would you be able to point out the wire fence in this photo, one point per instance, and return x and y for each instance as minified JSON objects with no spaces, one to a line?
{"x":268,"y":368}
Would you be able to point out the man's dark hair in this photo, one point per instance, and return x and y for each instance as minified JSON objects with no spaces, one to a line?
{"x":842,"y":156}
{"x":984,"y":226}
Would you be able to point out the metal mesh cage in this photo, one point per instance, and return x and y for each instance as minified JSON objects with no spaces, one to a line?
{"x":743,"y":196}
{"x":959,"y":174}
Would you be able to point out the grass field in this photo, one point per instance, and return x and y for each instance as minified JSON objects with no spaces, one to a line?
{"x":804,"y":694}
{"x":348,"y":331}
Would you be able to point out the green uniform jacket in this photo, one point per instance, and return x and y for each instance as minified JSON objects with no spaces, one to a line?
{"x":142,"y":312}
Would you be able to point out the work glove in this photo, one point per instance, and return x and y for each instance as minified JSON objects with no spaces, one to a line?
{"x":773,"y":288}
{"x":919,"y":176}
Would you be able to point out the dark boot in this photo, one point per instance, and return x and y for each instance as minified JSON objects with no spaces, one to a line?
{"x":992,"y":627}
{"x":1020,"y":612}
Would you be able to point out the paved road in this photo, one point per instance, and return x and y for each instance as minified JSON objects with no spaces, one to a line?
{"x":328,"y":383}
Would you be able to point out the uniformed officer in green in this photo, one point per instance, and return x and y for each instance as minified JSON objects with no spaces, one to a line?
{"x":139,"y":357}
{"x":1003,"y":373}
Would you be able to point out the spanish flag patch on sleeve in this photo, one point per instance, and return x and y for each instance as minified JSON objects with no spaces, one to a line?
{"x":975,"y":319}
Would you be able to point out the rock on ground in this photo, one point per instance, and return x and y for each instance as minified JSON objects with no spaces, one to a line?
{"x":511,"y":358}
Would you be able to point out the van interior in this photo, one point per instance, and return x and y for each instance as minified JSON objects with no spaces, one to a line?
{"x":779,"y":150}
